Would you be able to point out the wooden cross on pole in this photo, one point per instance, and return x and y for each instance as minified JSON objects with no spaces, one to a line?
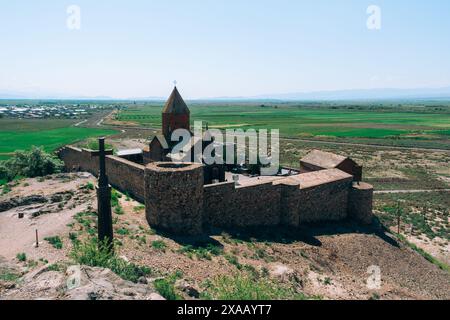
{"x":105,"y":228}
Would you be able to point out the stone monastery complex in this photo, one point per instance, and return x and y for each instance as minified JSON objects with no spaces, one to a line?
{"x":188,"y":198}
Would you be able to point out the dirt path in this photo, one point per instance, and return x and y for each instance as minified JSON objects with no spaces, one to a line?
{"x":19,"y":235}
{"x":79,"y":123}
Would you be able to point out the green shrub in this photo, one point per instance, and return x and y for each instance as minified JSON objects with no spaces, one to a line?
{"x":234,"y":261}
{"x":115,"y":196}
{"x":166,"y":287}
{"x":142,"y":240}
{"x":32,"y":263}
{"x":244,"y":287}
{"x":56,"y":242}
{"x":9,"y":276}
{"x":123,"y":231}
{"x":33,"y":163}
{"x":55,"y":267}
{"x":119,"y":210}
{"x":202,"y":252}
{"x":73,"y":237}
{"x":88,"y":221}
{"x":375,"y":296}
{"x":139,"y":208}
{"x":6,"y":189}
{"x":88,"y":186}
{"x":159,"y":245}
{"x":92,"y":144}
{"x":91,"y":254}
{"x":22,"y":257}
{"x":3,"y":174}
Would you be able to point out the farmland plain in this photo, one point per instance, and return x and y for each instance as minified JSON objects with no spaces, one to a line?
{"x":400,"y":125}
{"x":22,"y":134}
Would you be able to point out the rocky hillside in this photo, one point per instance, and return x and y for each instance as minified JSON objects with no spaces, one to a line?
{"x":327,"y":262}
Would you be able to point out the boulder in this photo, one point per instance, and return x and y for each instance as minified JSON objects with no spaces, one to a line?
{"x":79,"y":283}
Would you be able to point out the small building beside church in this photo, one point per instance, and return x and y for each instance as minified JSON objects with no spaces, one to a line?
{"x":317,"y":160}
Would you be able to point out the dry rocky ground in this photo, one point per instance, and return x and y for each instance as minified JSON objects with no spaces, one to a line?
{"x":425,"y":218}
{"x":328,"y":262}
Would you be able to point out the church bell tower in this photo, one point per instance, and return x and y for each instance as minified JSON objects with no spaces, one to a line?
{"x":175,"y":115}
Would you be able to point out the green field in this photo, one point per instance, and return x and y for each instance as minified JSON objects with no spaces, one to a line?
{"x":397,"y":125}
{"x":23,"y":134}
{"x":297,"y":121}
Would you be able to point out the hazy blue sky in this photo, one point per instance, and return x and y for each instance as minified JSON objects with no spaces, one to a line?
{"x":136,"y":48}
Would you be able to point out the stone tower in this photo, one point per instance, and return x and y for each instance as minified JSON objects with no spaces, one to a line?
{"x":174,"y":197}
{"x":175,"y":115}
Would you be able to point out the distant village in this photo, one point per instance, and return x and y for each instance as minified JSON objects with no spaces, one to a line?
{"x":52,"y":110}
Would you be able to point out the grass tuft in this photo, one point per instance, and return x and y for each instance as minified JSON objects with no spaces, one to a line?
{"x":245,"y":287}
{"x":56,"y":242}
{"x":91,"y":254}
{"x":22,"y":257}
{"x":205,"y":253}
{"x":159,"y":245}
{"x":166,"y":287}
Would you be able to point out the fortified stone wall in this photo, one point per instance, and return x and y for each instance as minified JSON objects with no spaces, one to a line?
{"x":123,"y":175}
{"x":247,"y":206}
{"x":77,"y":159}
{"x":176,"y":199}
{"x":326,"y":202}
{"x":126,"y":176}
{"x":315,"y":197}
{"x":307,"y":198}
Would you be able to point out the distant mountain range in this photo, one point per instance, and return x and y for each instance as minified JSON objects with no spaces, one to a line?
{"x":16,"y":95}
{"x":364,"y":94}
{"x":359,"y":94}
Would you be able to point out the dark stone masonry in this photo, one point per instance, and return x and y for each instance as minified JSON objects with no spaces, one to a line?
{"x":177,"y":200}
{"x":360,"y":202}
{"x":174,"y":197}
